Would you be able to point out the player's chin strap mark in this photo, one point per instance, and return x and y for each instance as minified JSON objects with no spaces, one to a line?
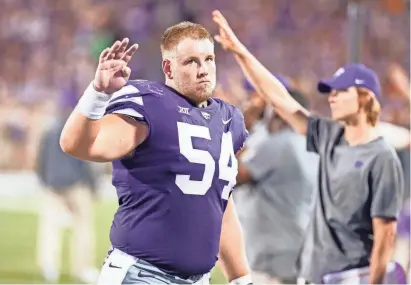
{"x":93,"y":104}
{"x":243,"y":280}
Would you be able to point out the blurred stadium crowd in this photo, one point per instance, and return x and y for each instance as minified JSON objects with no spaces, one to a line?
{"x":50,"y":50}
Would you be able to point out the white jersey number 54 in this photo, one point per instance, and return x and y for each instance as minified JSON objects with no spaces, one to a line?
{"x":227,"y":173}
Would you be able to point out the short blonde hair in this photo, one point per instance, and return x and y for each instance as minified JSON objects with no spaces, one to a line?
{"x":371,"y":106}
{"x":175,"y":34}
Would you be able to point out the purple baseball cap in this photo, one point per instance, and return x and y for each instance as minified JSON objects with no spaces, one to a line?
{"x":284,"y":81}
{"x":355,"y":74}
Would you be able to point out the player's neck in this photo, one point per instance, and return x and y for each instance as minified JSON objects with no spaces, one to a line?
{"x":359,"y":132}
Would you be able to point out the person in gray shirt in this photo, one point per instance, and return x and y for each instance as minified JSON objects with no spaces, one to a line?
{"x":351,"y":233}
{"x":276,"y":206}
{"x":68,"y":186}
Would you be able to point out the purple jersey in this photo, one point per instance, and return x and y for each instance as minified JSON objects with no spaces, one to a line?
{"x":173,"y":189}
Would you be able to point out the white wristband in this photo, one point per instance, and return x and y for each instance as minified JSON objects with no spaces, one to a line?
{"x":93,"y":104}
{"x":243,"y":280}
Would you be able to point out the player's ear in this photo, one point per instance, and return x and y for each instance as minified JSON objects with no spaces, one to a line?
{"x":167,"y":68}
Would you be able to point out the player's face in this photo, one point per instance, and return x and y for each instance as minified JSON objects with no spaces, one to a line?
{"x":194,"y":69}
{"x":344,"y":104}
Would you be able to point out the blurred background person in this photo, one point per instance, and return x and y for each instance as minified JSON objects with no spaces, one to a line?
{"x":276,"y":203}
{"x":69,"y":186}
{"x":257,"y":114}
{"x":396,"y":130}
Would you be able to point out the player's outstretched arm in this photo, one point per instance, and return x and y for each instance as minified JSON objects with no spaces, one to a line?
{"x":87,"y":134}
{"x":264,"y":82}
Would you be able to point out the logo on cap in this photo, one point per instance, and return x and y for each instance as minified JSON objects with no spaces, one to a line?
{"x":339,"y":72}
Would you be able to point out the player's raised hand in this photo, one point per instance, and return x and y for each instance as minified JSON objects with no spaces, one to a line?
{"x":112,"y":71}
{"x":226,"y":37}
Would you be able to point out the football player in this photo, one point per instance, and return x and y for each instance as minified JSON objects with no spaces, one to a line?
{"x":172,"y":147}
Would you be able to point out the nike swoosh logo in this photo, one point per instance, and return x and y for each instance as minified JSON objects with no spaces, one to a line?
{"x":113,"y":266}
{"x":226,"y":122}
{"x":359,"y":81}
